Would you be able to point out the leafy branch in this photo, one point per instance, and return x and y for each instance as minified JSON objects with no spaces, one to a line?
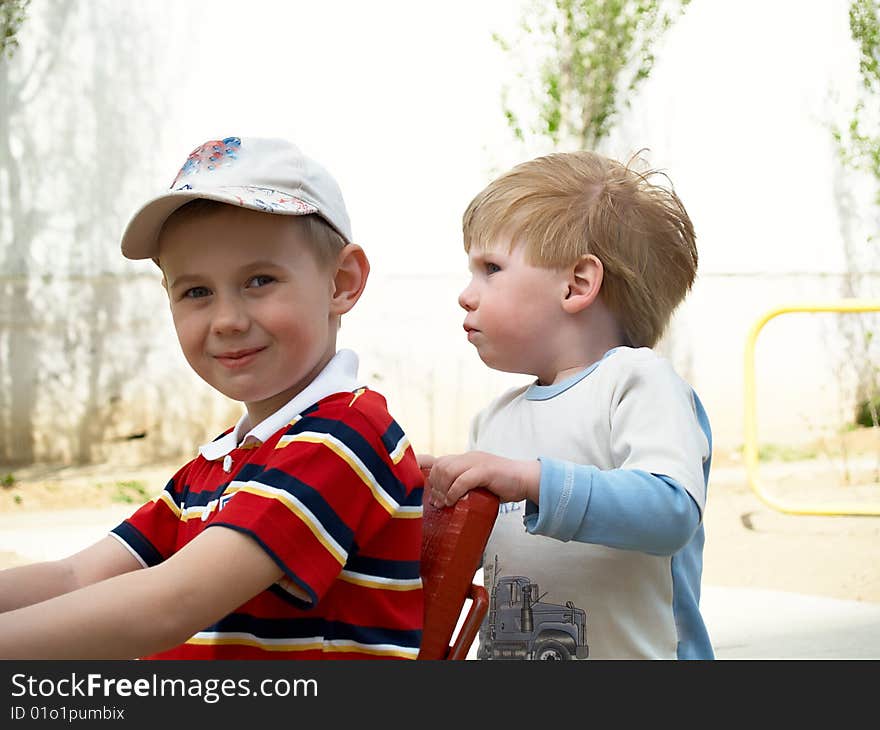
{"x":595,"y":54}
{"x":859,"y":146}
{"x":12,"y":16}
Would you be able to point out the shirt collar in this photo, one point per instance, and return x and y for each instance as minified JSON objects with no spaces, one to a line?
{"x":546,"y":392}
{"x":338,"y":376}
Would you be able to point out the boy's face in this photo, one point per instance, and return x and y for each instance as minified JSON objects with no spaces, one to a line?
{"x":250,"y":303}
{"x":512,"y":308}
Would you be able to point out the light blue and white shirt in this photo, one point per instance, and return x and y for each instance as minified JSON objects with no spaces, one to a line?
{"x":625,"y":450}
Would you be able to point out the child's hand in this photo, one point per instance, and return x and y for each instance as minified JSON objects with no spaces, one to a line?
{"x":453,"y":476}
{"x":426,"y":461}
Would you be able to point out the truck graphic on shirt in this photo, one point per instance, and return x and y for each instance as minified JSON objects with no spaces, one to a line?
{"x":520,"y":626}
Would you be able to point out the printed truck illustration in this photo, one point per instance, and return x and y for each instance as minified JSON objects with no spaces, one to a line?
{"x":520,"y":626}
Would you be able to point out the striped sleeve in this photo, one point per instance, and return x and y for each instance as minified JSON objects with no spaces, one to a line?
{"x":150,"y":534}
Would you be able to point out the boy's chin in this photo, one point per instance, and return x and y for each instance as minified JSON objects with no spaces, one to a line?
{"x":503,"y":367}
{"x":242,"y":395}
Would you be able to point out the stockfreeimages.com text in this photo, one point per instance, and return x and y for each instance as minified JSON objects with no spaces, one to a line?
{"x":209,"y":690}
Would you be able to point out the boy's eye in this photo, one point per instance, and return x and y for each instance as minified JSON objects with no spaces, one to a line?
{"x":260,"y":280}
{"x":492,"y":268}
{"x":197,"y":292}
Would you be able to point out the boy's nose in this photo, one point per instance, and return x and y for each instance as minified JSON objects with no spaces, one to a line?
{"x":467,"y":300}
{"x":230,"y":317}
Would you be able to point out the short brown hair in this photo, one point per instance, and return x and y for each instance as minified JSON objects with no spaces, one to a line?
{"x":565,"y":205}
{"x":325,"y":241}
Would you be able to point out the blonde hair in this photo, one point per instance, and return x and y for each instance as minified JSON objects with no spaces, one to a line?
{"x":325,"y":242}
{"x":563,"y":206}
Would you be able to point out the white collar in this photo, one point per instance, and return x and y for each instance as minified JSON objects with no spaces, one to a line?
{"x":338,"y":376}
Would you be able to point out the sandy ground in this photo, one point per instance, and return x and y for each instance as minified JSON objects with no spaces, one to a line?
{"x":750,"y":544}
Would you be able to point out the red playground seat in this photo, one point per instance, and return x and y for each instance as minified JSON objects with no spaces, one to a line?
{"x":453,"y":541}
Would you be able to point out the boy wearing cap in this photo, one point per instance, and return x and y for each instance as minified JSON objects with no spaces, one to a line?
{"x":316,"y":489}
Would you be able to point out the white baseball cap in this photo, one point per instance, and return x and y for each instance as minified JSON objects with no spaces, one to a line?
{"x":271,"y":175}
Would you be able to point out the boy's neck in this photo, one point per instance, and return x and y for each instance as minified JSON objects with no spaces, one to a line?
{"x":578,"y":363}
{"x":583,"y":340}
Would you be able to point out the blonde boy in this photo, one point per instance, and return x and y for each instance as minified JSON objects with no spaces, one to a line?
{"x":577,"y":263}
{"x":314,"y":495}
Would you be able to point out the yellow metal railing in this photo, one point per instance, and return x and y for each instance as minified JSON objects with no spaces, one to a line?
{"x":751,"y":419}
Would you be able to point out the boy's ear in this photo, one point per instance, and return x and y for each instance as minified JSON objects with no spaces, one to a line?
{"x":584,"y":283}
{"x":349,"y":279}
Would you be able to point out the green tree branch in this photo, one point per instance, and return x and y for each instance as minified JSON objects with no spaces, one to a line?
{"x":859,"y":145}
{"x":12,"y":16}
{"x":596,"y":54}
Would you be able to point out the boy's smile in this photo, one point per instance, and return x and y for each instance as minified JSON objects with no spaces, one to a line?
{"x":238,"y":358}
{"x":250,"y":303}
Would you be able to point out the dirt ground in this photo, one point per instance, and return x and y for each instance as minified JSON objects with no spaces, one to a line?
{"x":749,"y":543}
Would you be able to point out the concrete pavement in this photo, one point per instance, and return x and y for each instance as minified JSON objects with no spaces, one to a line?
{"x":748,"y":623}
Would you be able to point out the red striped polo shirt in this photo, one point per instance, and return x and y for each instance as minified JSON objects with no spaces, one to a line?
{"x":335,"y":498}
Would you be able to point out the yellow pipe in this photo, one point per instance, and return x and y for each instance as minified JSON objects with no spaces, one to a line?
{"x":751,"y":419}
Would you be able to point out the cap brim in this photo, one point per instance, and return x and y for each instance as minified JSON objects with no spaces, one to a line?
{"x":141,"y":237}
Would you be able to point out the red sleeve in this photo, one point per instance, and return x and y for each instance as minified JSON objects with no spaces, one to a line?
{"x":151,"y":532}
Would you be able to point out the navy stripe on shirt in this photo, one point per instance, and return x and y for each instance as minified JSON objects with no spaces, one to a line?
{"x":136,"y":540}
{"x":358,"y":445}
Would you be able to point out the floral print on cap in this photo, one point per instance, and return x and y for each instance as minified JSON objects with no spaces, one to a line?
{"x":209,"y":156}
{"x":269,"y":200}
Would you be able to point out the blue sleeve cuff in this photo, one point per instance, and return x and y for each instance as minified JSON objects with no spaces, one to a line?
{"x":627,"y":509}
{"x":563,"y":499}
